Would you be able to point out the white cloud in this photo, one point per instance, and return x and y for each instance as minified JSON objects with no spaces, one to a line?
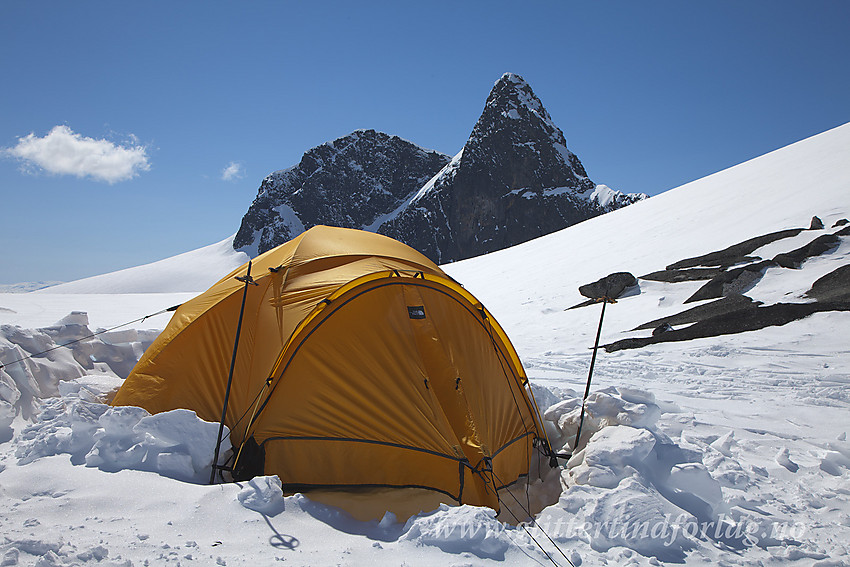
{"x":64,"y":152}
{"x":234,"y":170}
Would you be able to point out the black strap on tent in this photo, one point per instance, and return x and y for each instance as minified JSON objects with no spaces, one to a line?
{"x":248,"y":280}
{"x":87,"y":337}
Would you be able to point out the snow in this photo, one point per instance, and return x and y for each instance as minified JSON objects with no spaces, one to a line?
{"x":289,"y":218}
{"x":26,"y":287}
{"x":192,"y":271}
{"x":727,"y":450}
{"x":173,"y":444}
{"x":263,"y":494}
{"x":447,"y":171}
{"x":605,"y":196}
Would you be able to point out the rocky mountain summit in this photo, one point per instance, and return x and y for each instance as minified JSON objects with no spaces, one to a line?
{"x":352,"y":182}
{"x":514,"y":180}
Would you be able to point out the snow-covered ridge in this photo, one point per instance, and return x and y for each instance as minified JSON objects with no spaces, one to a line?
{"x":352,"y":182}
{"x":446,"y":173}
{"x":191,"y":271}
{"x":611,"y":199}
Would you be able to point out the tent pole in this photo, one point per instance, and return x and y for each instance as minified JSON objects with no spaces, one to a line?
{"x":248,"y":280}
{"x":590,"y":373}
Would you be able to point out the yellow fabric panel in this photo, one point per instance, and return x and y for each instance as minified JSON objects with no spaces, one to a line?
{"x":355,"y":368}
{"x":487,"y":386}
{"x":358,"y":374}
{"x":332,"y":458}
{"x":326,"y":242}
{"x":513,"y":461}
{"x":358,"y":371}
{"x":187,"y":365}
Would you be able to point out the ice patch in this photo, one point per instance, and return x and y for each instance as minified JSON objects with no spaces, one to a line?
{"x":289,"y":218}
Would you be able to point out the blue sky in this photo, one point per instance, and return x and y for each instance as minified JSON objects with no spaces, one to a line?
{"x":650,"y":95}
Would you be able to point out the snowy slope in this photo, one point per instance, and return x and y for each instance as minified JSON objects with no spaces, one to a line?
{"x":727,"y":450}
{"x":191,"y":271}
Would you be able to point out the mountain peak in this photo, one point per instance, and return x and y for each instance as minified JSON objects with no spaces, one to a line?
{"x":350,"y":182}
{"x":513,"y":97}
{"x":511,"y":78}
{"x":513,"y":180}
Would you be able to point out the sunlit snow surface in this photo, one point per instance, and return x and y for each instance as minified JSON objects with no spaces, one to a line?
{"x":724,"y":450}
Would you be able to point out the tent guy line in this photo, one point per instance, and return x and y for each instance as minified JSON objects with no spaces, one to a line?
{"x":87,"y":337}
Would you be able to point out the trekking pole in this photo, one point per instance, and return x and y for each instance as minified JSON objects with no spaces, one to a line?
{"x":604,"y":300}
{"x":248,"y":281}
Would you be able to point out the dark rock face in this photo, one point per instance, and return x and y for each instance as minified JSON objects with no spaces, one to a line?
{"x":816,"y":247}
{"x":350,"y":182}
{"x":722,"y":306}
{"x":736,"y":313}
{"x":662,"y":328}
{"x":736,"y":253}
{"x":735,"y":281}
{"x":683,"y":275}
{"x":514,"y":180}
{"x":834,"y":286}
{"x":817,"y":224}
{"x":747,"y":319}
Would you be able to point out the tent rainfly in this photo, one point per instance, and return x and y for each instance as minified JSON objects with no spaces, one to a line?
{"x":360,"y":363}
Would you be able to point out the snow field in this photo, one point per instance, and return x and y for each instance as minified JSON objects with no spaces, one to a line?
{"x":727,"y":450}
{"x":652,"y":484}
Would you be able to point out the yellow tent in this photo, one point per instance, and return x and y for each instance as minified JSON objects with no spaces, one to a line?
{"x":360,"y":364}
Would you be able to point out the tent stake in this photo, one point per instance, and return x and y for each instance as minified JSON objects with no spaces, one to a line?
{"x":248,"y":281}
{"x":590,"y":373}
